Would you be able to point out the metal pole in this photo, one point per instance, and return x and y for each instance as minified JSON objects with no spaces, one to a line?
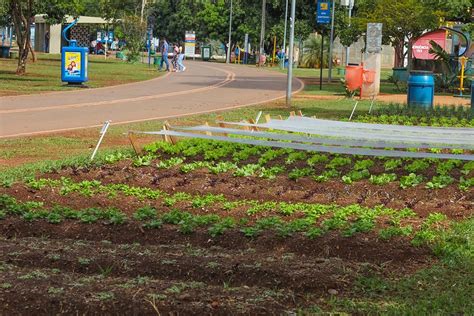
{"x":262,"y":29}
{"x":348,"y":48}
{"x":321,"y":61}
{"x":331,"y":40}
{"x":284,"y":36}
{"x":230,"y":33}
{"x":290,"y":54}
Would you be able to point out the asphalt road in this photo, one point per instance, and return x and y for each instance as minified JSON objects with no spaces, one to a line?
{"x":203,"y":88}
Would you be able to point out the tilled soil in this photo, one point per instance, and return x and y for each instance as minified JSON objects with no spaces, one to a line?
{"x":77,"y":268}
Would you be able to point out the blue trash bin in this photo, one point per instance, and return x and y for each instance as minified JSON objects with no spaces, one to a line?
{"x":421,"y":85}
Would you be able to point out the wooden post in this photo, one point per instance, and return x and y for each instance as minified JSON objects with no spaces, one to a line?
{"x":169,"y":139}
{"x":268,"y":118}
{"x":207,"y":132}
{"x":300,"y":113}
{"x":221,"y":124}
{"x":292,"y":113}
{"x":133,"y":141}
{"x":253,"y":128}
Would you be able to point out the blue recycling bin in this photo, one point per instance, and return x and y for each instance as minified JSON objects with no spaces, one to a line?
{"x":74,"y":60}
{"x":421,"y":86}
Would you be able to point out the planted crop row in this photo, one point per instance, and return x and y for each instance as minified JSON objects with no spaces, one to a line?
{"x":316,"y":220}
{"x":424,"y":115}
{"x":264,"y":162}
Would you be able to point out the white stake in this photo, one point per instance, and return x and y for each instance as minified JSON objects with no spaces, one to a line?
{"x":102,"y":134}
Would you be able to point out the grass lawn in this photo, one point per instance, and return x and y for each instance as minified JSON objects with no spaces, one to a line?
{"x":45,"y":75}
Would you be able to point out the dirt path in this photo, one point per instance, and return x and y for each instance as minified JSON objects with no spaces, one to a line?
{"x":204,"y":87}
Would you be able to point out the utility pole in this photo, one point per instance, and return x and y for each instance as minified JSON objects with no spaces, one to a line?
{"x":230,"y":33}
{"x":262,"y":30}
{"x":348,"y":48}
{"x":331,"y":40}
{"x":289,"y":89}
{"x":282,"y":64}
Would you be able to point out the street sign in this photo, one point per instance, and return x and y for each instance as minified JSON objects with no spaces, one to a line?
{"x":190,"y":44}
{"x":323,"y":12}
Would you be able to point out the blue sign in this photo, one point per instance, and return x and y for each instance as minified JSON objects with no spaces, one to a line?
{"x":324,"y":13}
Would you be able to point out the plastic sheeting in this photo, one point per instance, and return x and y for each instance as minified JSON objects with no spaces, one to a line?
{"x":371,"y":132}
{"x":316,"y":148}
{"x":318,"y":140}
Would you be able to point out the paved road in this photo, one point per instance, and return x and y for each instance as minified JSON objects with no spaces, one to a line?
{"x":204,"y":87}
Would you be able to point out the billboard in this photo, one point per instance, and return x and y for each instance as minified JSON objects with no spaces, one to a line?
{"x":190,"y":44}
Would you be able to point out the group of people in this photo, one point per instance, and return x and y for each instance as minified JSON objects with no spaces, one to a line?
{"x":177,"y":63}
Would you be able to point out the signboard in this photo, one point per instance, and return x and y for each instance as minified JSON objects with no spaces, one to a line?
{"x":190,"y":44}
{"x":72,"y":65}
{"x":323,"y":12}
{"x":374,"y":37}
{"x":421,"y":47}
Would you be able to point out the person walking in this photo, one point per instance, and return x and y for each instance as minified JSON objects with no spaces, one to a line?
{"x":174,"y":61}
{"x":46,"y":42}
{"x":181,"y":56}
{"x":164,"y":55}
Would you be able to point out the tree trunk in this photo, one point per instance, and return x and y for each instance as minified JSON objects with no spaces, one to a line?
{"x":399,"y":56}
{"x":22,"y":21}
{"x":32,"y":51}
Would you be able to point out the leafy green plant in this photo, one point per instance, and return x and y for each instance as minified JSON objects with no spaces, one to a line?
{"x":145,"y":213}
{"x":143,"y":161}
{"x":439,"y":182}
{"x":383,"y":178}
{"x":297,"y":173}
{"x":417,"y":166}
{"x":392,"y":164}
{"x":166,"y":164}
{"x":412,"y":180}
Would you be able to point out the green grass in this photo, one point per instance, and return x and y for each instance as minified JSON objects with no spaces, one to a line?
{"x":314,"y":73}
{"x":443,"y":289}
{"x":45,"y":74}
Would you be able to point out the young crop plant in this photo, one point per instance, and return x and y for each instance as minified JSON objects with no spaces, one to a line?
{"x":338,"y":162}
{"x":295,"y":156}
{"x":412,"y":180}
{"x":222,"y":167}
{"x":246,"y":153}
{"x":327,"y":175}
{"x":430,"y":229}
{"x":271,"y":173}
{"x":143,"y":161}
{"x":270,"y":155}
{"x":467,"y":168}
{"x":355,"y":175}
{"x":297,"y":173}
{"x":189,"y":167}
{"x":382,"y":179}
{"x":145,"y":213}
{"x":317,"y":159}
{"x":444,"y":167}
{"x":439,"y":182}
{"x":363,"y":164}
{"x":206,"y":200}
{"x":247,"y":170}
{"x":116,"y":157}
{"x":172,"y":162}
{"x":221,"y":226}
{"x":466,"y":184}
{"x":392,"y":164}
{"x":418,"y":165}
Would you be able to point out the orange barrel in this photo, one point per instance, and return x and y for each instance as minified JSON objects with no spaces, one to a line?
{"x":354,"y":77}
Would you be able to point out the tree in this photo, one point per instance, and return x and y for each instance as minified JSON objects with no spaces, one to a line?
{"x":134,"y":31}
{"x":22,"y":14}
{"x":403,"y":20}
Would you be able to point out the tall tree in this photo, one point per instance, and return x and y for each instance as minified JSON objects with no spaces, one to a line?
{"x":22,"y":14}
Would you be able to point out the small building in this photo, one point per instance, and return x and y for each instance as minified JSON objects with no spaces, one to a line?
{"x":82,"y":32}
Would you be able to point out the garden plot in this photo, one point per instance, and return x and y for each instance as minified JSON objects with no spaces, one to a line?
{"x":208,"y":227}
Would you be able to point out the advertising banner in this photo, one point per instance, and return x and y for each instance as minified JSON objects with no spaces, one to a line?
{"x":72,"y":65}
{"x":190,"y":44}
